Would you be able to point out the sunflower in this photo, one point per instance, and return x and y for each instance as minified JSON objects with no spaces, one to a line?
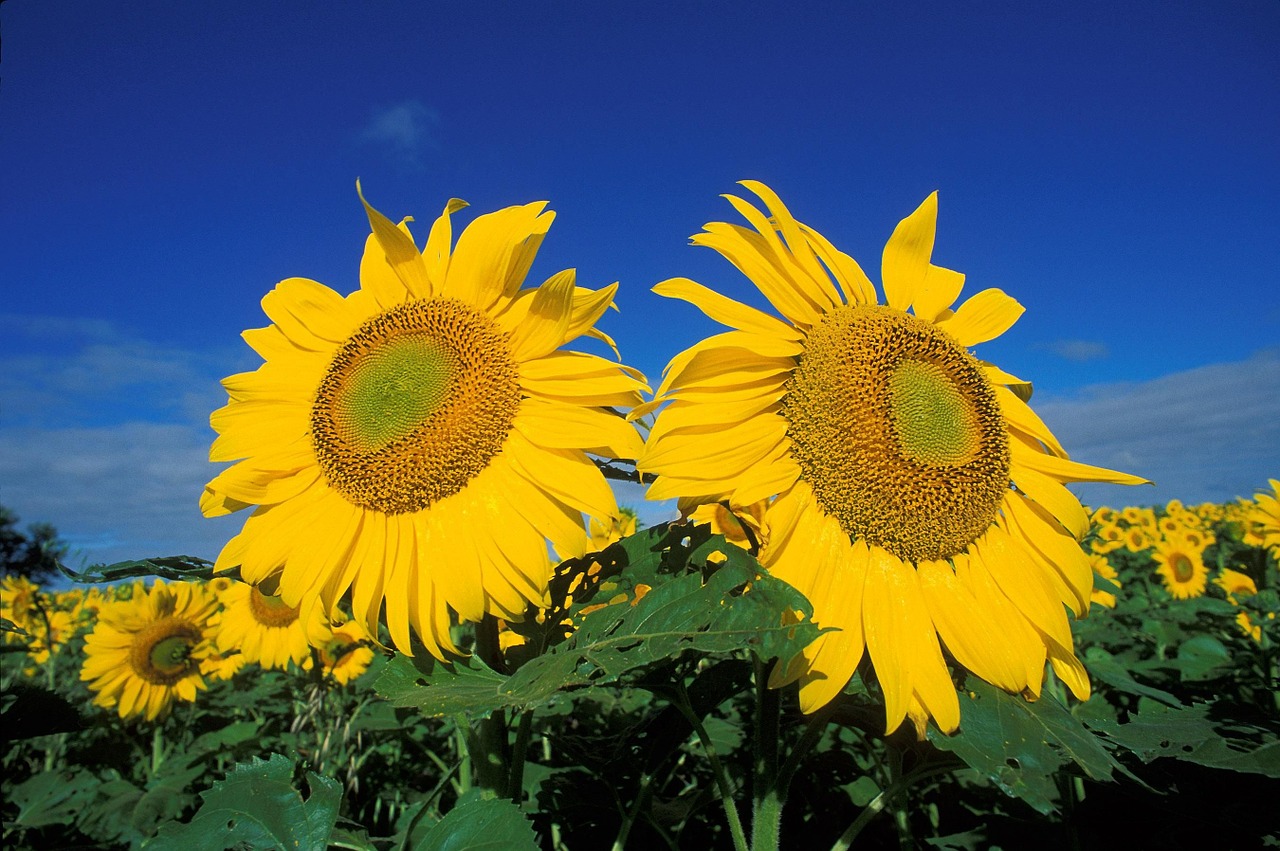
{"x":744,"y":529}
{"x":1265,"y":515}
{"x":917,"y":495}
{"x":146,"y":652}
{"x":1235,"y":584}
{"x":344,"y":649}
{"x":263,"y":627}
{"x":420,"y":440}
{"x":1102,"y":567}
{"x":1181,"y":567}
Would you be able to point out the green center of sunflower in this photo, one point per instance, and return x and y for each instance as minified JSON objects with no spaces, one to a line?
{"x":414,"y":405}
{"x":271,"y":611}
{"x":898,"y":432}
{"x":161,"y":653}
{"x":1182,"y":568}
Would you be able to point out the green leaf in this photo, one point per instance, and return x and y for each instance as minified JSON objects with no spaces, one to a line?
{"x":52,"y":798}
{"x":1189,"y":734}
{"x":1104,"y":666}
{"x":1020,"y":745}
{"x":493,"y":824}
{"x":257,"y":804}
{"x":737,"y":607}
{"x":1202,"y":658}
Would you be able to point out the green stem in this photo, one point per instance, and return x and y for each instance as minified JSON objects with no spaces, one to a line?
{"x":641,"y":801}
{"x":515,"y":785}
{"x":487,"y":737}
{"x":769,"y":794}
{"x":879,"y":802}
{"x":683,"y":703}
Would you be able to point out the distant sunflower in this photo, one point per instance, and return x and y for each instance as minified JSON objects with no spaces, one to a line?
{"x":263,"y":627}
{"x":420,"y":440}
{"x":1235,"y":584}
{"x":146,"y":652}
{"x":1265,"y":515}
{"x":1103,"y":568}
{"x":344,"y":649}
{"x":1181,"y":567}
{"x":918,"y":495}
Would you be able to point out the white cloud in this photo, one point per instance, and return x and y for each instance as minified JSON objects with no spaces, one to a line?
{"x":1078,"y":351}
{"x":115,"y":493}
{"x":402,"y":130}
{"x":1209,"y":434}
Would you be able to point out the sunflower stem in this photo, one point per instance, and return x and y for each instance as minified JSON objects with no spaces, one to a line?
{"x":487,"y":737}
{"x":515,"y":785}
{"x":769,"y":794}
{"x":682,"y":703}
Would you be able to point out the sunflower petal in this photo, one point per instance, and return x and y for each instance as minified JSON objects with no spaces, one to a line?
{"x":905,"y":263}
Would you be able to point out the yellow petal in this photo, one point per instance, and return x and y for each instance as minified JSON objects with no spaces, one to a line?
{"x":971,"y":635}
{"x":1056,"y":551}
{"x":753,"y":256}
{"x":1019,"y":415}
{"x":905,"y":262}
{"x":402,"y":255}
{"x":435,"y":255}
{"x":810,"y":275}
{"x":1065,"y":470}
{"x":983,"y":316}
{"x":310,"y":314}
{"x":378,"y":278}
{"x":489,"y":253}
{"x":725,"y":310}
{"x":939,"y":291}
{"x":1053,"y":496}
{"x":889,"y":623}
{"x":1029,"y":590}
{"x":546,"y":326}
{"x":559,"y":426}
{"x":854,"y":283}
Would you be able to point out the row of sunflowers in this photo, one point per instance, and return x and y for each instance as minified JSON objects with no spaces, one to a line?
{"x":147,"y":646}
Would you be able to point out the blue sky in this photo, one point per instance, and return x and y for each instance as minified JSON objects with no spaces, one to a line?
{"x":1113,"y":166}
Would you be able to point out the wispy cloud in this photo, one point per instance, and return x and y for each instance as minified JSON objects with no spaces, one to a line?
{"x":403,"y":131}
{"x":1206,"y":434}
{"x":1078,"y":351}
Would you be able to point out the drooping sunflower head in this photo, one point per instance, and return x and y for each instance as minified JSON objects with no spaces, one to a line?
{"x":146,"y":652}
{"x":914,"y":497}
{"x":417,"y":443}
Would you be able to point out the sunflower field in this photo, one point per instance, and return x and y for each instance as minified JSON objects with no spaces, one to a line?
{"x":878,"y":616}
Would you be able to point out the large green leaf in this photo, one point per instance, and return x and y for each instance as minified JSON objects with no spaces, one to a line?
{"x":1190,"y":734}
{"x":258,"y":806}
{"x":738,"y":606}
{"x":493,"y":824}
{"x":1020,"y":745}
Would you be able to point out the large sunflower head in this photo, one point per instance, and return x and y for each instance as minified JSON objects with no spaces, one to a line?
{"x":146,"y":652}
{"x":419,"y":441}
{"x":915,"y":494}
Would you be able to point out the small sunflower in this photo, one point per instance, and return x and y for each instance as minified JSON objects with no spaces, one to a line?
{"x":419,"y":441}
{"x":1265,"y":515}
{"x":344,"y":649}
{"x":1181,"y":567}
{"x":1103,"y":568}
{"x":1235,"y":584}
{"x":917,"y":495}
{"x":146,"y":652}
{"x":263,"y":627}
